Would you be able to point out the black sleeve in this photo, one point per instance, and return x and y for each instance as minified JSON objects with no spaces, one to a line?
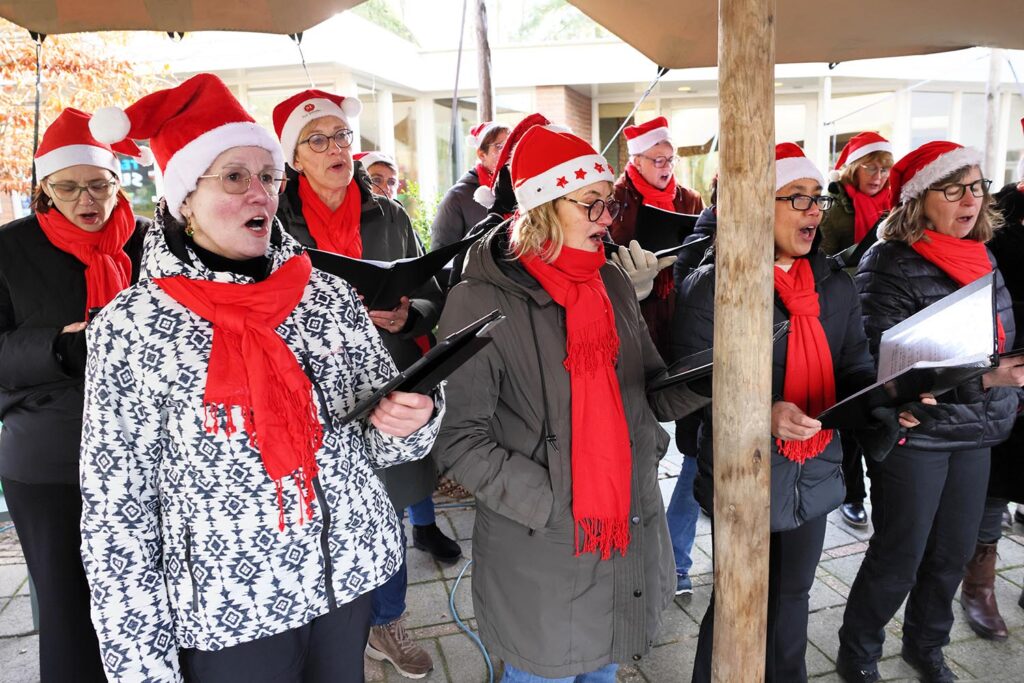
{"x":26,"y":354}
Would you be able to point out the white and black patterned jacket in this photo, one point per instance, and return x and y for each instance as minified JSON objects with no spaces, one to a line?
{"x":180,"y":536}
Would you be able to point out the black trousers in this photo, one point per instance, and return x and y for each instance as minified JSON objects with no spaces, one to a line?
{"x":926,"y":508}
{"x":47,"y":517}
{"x":853,"y":468}
{"x":328,"y":649}
{"x":792,"y":560}
{"x":992,"y":520}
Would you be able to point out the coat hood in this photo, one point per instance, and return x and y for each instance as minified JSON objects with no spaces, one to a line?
{"x":165,"y":253}
{"x":489,"y":260}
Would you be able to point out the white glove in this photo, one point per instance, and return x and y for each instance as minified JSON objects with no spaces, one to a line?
{"x":642,"y":266}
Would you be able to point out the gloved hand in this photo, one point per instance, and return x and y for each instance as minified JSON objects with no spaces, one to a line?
{"x":884,"y":432}
{"x":642,"y":266}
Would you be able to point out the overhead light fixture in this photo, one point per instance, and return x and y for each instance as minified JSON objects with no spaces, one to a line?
{"x":778,"y":84}
{"x":684,"y":88}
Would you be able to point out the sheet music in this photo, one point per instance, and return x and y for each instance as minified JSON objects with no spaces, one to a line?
{"x":959,"y":328}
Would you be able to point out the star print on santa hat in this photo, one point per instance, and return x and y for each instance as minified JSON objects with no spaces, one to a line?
{"x":549,"y":163}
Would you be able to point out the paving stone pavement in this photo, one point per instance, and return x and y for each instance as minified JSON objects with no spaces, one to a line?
{"x":457,"y":659}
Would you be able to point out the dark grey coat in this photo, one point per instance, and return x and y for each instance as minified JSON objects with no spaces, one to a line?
{"x":540,"y":607}
{"x":387,"y":235}
{"x":457,"y":213}
{"x":799,"y":492}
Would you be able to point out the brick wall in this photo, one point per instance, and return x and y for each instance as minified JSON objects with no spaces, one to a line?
{"x":565,"y":106}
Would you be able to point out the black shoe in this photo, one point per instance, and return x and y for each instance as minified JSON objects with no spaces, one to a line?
{"x":856,"y":673}
{"x":854,"y":514}
{"x":931,"y":664}
{"x":430,"y":539}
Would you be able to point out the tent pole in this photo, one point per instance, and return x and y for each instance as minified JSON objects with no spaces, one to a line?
{"x":38,"y":38}
{"x":742,"y":342}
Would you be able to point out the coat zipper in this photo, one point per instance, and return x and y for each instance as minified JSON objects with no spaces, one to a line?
{"x":332,"y":600}
{"x":191,"y":569}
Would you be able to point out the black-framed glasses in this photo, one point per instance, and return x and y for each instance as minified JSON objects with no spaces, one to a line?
{"x":318,"y":142}
{"x":803,"y":202}
{"x":70,"y":192}
{"x":661,"y":162}
{"x":238,"y":180}
{"x":596,"y":208}
{"x":954,"y":192}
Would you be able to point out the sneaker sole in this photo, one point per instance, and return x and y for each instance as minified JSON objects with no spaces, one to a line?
{"x":377,"y":655}
{"x":855,"y":525}
{"x":685,"y":591}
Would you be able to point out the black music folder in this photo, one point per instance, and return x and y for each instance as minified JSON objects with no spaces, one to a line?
{"x":701,"y":364}
{"x":658,"y":229}
{"x":701,"y":243}
{"x":383,"y":283}
{"x":436,"y":365}
{"x":937,"y":349}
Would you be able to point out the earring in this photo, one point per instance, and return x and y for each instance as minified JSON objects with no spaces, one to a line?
{"x":190,"y":229}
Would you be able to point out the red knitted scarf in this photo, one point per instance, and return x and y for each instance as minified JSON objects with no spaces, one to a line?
{"x":963,"y":260}
{"x":659,"y":199}
{"x":601,"y":452}
{"x":485,"y":176}
{"x":251,"y":367}
{"x":108,"y":269}
{"x":810,"y":381}
{"x":867,"y":209}
{"x":335,"y":231}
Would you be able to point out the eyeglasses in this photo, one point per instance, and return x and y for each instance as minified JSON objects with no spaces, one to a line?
{"x":379,"y":181}
{"x":597,"y":208}
{"x":661,"y":162}
{"x":237,"y":181}
{"x":97,"y":189}
{"x":318,"y":142}
{"x":872,"y":169}
{"x":496,"y":146}
{"x":954,"y":192}
{"x":803,"y":202}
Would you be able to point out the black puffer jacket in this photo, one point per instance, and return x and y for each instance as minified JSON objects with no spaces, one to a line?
{"x":42,"y":289}
{"x":689,"y":259}
{"x":799,"y":492}
{"x":457,"y":213}
{"x":895,"y":282}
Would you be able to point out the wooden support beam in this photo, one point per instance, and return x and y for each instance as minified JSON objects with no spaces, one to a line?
{"x":743,"y":305}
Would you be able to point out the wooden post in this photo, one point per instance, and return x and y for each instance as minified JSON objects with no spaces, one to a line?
{"x":743,"y":305}
{"x":485,"y":99}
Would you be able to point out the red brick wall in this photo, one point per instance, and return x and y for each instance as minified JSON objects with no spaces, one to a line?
{"x":565,"y":106}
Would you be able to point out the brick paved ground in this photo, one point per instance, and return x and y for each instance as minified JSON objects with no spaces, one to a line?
{"x":457,"y":660}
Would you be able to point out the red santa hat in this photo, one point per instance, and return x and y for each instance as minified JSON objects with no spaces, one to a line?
{"x":477,"y":133}
{"x":68,"y":142}
{"x":926,"y":165}
{"x":292,"y":115}
{"x":187,"y":126}
{"x":484,"y":194}
{"x":549,"y":163}
{"x":371,"y":158}
{"x":791,"y":164}
{"x":641,"y":138}
{"x":858,"y":147}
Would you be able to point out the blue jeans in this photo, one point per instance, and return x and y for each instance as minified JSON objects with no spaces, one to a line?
{"x":389,"y":597}
{"x":682,"y":516}
{"x":606,"y":674}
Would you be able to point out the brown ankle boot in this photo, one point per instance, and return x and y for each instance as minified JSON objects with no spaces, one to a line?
{"x":978,"y":595}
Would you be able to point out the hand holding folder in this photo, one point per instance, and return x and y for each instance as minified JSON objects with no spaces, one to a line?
{"x":435,"y":366}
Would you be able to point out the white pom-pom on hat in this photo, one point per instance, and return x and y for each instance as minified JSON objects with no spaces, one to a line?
{"x":146,"y":157}
{"x":471,"y":141}
{"x":352,"y":107}
{"x":484,"y":196}
{"x":109,"y":125}
{"x":834,"y":175}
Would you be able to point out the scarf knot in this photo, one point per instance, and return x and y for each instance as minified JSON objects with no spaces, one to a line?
{"x":867,"y":209}
{"x":252,"y":368}
{"x":810,"y":381}
{"x":601,"y":454}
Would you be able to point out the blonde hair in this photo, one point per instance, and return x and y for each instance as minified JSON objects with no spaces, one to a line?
{"x":907,"y":223}
{"x":846,"y":175}
{"x":537,"y":226}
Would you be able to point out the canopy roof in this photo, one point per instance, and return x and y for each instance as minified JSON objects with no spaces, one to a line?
{"x":681,"y":34}
{"x":263,"y":16}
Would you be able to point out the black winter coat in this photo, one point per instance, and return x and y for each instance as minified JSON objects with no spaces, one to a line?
{"x":42,"y":289}
{"x":799,"y":492}
{"x":690,"y":259}
{"x":387,"y":235}
{"x":895,"y":282}
{"x":457,"y":213}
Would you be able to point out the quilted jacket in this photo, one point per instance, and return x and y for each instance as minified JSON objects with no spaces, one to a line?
{"x":180,"y":537}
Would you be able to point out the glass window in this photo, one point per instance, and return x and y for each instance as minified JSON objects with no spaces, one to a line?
{"x":1015,"y":141}
{"x":858,"y":113}
{"x":972,"y":120}
{"x":139,"y":184}
{"x":929,"y":117}
{"x":260,"y":103}
{"x":369,"y":131}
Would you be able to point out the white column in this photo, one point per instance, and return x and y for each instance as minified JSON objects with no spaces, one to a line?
{"x":1003,"y":138}
{"x":824,"y":136}
{"x":386,"y":122}
{"x":426,"y":148}
{"x":956,"y":117}
{"x":345,"y":84}
{"x":901,"y":125}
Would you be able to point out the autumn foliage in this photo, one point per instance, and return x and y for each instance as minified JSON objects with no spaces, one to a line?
{"x":85,"y":71}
